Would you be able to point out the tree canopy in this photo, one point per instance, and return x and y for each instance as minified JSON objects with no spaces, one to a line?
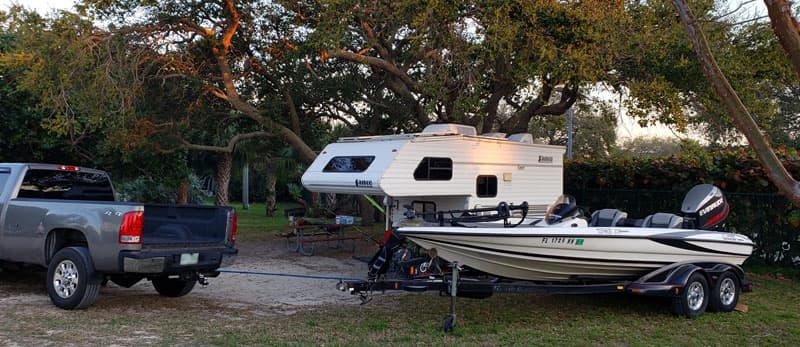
{"x":136,"y":81}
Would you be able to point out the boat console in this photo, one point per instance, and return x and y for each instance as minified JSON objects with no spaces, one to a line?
{"x":704,"y":207}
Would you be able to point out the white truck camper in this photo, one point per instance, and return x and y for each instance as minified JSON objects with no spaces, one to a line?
{"x":445,"y":167}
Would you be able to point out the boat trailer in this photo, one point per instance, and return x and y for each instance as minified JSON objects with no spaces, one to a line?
{"x":684,"y":282}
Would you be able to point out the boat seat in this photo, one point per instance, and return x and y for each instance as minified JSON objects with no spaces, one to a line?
{"x":663,"y":220}
{"x":607,"y":217}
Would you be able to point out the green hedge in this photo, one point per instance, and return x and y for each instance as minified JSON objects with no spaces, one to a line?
{"x":642,"y":186}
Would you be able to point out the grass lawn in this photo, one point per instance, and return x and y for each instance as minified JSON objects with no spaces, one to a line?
{"x":511,"y":319}
{"x":254,"y":225}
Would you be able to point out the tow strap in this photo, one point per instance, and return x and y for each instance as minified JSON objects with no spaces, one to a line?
{"x":316,"y":277}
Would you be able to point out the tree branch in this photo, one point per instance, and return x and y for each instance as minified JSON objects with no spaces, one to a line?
{"x":786,"y":29}
{"x":734,"y":107}
{"x":229,"y":147}
{"x":378,"y":63}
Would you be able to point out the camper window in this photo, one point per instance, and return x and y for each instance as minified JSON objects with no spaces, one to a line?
{"x":434,"y":169}
{"x":427,"y":209}
{"x":486,"y":186}
{"x":348,"y":164}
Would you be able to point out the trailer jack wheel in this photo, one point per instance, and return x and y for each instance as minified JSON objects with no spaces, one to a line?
{"x":449,"y":323}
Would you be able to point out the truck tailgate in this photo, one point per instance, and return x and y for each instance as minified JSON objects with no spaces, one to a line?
{"x":185,"y":225}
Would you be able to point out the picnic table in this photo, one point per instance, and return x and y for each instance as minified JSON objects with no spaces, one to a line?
{"x":301,"y":238}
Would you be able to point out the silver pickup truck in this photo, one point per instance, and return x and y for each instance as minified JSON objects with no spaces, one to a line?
{"x":66,"y":219}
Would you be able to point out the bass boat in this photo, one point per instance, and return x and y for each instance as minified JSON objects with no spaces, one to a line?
{"x":564,"y":246}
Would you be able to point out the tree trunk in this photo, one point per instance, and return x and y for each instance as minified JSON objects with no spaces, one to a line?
{"x":775,"y":170}
{"x":223,"y":176}
{"x":316,"y":199}
{"x":786,"y":29}
{"x":331,"y":201}
{"x":366,"y":210}
{"x":246,"y":184}
{"x":272,"y":179}
{"x":183,"y":193}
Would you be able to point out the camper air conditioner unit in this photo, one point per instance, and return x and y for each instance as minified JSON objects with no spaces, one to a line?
{"x":521,"y":137}
{"x":450,"y":128}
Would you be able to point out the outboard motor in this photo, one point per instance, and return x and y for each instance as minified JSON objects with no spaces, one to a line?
{"x":704,"y":207}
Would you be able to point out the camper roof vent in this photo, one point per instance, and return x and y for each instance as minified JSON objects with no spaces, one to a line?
{"x":521,"y":137}
{"x":450,"y":128}
{"x":499,"y":135}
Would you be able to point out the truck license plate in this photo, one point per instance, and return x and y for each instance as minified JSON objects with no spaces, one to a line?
{"x":189,"y":258}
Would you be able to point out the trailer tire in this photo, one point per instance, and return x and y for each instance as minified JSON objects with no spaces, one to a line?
{"x":693,"y":299}
{"x":173,"y":287}
{"x":72,"y":283}
{"x":725,"y":294}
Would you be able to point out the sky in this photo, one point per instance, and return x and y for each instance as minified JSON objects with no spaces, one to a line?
{"x":627,"y":127}
{"x":41,"y":6}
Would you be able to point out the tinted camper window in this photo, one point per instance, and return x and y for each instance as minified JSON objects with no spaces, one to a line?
{"x":349,"y":164}
{"x":66,"y":185}
{"x":486,"y":186}
{"x":434,"y":169}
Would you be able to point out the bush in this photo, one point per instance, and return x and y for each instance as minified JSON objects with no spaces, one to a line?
{"x":146,"y":189}
{"x":643,"y":186}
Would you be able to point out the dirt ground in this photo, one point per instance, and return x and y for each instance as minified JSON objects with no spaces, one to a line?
{"x":285,"y":294}
{"x":25,"y":290}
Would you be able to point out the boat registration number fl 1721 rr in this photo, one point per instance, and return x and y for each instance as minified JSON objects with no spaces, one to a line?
{"x":563,"y":240}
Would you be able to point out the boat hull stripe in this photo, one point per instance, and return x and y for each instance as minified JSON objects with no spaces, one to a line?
{"x":541,"y":255}
{"x":669,"y":236}
{"x":683,"y":244}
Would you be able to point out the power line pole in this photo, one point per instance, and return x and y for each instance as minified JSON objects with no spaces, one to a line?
{"x":569,"y":133}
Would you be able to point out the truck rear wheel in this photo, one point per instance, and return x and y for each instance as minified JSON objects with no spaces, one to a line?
{"x":71,"y":281}
{"x":173,"y":287}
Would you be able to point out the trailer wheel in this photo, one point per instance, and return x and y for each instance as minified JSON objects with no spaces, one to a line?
{"x":725,"y":294}
{"x":173,"y":287}
{"x":71,"y":281}
{"x":693,"y":299}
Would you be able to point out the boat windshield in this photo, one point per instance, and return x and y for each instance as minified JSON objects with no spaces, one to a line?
{"x":565,"y":206}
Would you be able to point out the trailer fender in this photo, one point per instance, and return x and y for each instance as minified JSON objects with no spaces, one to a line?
{"x":665,"y":281}
{"x":670,"y":279}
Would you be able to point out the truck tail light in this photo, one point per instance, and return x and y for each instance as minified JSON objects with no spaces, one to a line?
{"x":232,"y":237}
{"x":69,"y":168}
{"x":130,"y":230}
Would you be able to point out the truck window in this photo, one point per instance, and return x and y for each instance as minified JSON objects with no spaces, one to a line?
{"x":66,"y":185}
